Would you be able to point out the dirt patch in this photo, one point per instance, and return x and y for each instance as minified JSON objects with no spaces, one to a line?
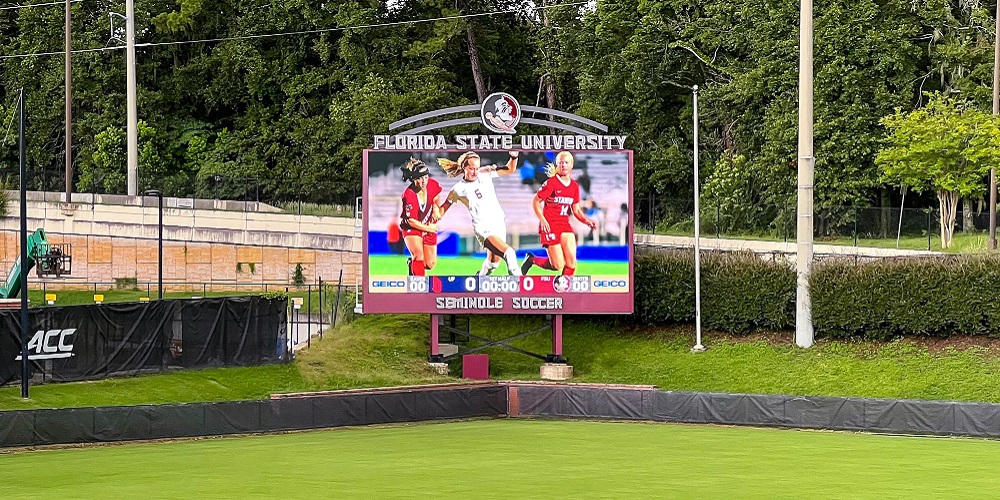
{"x":767,"y":337}
{"x":708,"y":337}
{"x":936,"y":345}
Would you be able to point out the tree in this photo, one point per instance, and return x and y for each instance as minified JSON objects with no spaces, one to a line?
{"x":947,"y":146}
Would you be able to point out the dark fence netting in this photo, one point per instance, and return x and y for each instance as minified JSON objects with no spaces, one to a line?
{"x":593,"y":402}
{"x":95,"y":341}
{"x":514,"y":399}
{"x":834,"y":413}
{"x":129,"y":423}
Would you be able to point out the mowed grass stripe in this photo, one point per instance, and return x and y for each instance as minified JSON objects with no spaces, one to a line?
{"x":517,"y":459}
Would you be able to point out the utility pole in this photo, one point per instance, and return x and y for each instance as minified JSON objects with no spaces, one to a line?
{"x":133,"y":115}
{"x":996,"y":111}
{"x":69,"y":107}
{"x":697,"y":233}
{"x":804,"y":234}
{"x":22,"y":150}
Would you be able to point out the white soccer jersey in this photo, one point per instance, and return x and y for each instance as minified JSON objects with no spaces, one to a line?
{"x":481,"y":198}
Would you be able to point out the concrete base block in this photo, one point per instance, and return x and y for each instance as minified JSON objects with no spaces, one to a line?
{"x":447,"y":349}
{"x":556,"y":371}
{"x":440,"y":368}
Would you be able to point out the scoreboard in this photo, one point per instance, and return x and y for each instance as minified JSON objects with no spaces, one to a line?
{"x":523,"y":285}
{"x":499,"y":284}
{"x":603,"y":278}
{"x":511,"y":294}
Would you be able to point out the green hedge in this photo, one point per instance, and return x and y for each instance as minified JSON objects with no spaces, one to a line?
{"x":740,"y":292}
{"x":882,"y":299}
{"x":914,"y":296}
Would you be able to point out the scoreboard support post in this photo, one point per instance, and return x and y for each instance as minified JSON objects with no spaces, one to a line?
{"x":556,"y":366}
{"x":435,"y":356}
{"x":556,"y":356}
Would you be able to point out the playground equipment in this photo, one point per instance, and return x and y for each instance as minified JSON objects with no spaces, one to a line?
{"x":47,"y":259}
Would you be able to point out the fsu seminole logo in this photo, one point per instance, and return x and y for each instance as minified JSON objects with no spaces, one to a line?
{"x":501,"y":112}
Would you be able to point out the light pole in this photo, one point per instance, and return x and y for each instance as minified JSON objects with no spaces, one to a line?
{"x":996,"y":111}
{"x":22,"y":148}
{"x":132,"y":113}
{"x":804,"y":226}
{"x":69,"y":106}
{"x":159,"y":275}
{"x":697,"y":235}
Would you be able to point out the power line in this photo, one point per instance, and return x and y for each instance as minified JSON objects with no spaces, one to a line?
{"x":61,"y":52}
{"x":30,"y":5}
{"x":293,"y":33}
{"x":345,"y":28}
{"x":11,"y":122}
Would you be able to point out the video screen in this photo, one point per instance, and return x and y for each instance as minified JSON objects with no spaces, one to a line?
{"x":533,"y":232}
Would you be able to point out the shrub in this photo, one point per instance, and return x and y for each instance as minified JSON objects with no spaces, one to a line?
{"x":346,"y":312}
{"x":914,"y":296}
{"x":298,"y":278}
{"x":126,"y":283}
{"x":741,"y":291}
{"x":275,"y":295}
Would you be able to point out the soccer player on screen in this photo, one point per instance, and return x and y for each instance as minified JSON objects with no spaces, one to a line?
{"x":475,"y":190}
{"x":555,"y":200}
{"x":417,"y":221}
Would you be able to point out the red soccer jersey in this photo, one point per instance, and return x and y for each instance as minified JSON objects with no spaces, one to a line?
{"x":412,"y":209}
{"x":559,"y":199}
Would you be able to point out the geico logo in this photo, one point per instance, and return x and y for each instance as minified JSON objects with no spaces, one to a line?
{"x":388,"y":284}
{"x":51,"y":344}
{"x":610,"y":284}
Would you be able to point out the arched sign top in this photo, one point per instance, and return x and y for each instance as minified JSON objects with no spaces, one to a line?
{"x":500,"y":113}
{"x":471,"y":108}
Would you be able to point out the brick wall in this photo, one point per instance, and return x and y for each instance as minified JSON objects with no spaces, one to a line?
{"x":104,"y":259}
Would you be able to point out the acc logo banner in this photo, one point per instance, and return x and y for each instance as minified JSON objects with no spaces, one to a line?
{"x":500,"y":113}
{"x":605,"y":284}
{"x":51,"y":344}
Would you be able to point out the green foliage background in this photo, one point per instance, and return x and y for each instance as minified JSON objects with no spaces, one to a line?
{"x":881,"y":299}
{"x":285,"y":118}
{"x":741,"y":292}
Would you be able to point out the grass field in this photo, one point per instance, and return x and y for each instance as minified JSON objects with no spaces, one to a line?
{"x":395,"y":265}
{"x":376,"y":356}
{"x":516,"y":459}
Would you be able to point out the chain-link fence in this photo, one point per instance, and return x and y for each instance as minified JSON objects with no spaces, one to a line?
{"x":886,"y":227}
{"x":320,"y":302}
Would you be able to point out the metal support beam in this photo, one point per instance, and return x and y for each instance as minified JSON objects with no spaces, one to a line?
{"x":557,"y":340}
{"x":488,"y":342}
{"x":435,"y":340}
